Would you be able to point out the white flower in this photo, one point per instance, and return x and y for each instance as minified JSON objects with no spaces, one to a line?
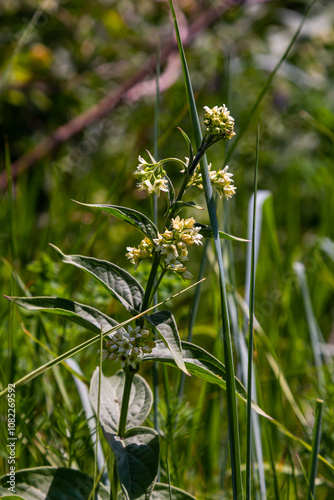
{"x":129,"y":347}
{"x":219,"y":122}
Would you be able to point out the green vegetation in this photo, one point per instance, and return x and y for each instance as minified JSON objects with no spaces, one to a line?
{"x":80,"y":102}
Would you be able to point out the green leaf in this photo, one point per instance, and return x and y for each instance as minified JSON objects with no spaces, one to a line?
{"x":140,"y":402}
{"x":83,"y":315}
{"x":176,"y":207}
{"x":201,"y":364}
{"x":116,"y":280}
{"x":163,"y":492}
{"x":11,"y":497}
{"x":137,"y":457}
{"x":191,"y":151}
{"x":52,"y":483}
{"x":171,"y":191}
{"x":164,"y":323}
{"x":206,"y":232}
{"x":132,"y":217}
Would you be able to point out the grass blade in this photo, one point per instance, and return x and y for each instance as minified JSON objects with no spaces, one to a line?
{"x":230,"y":381}
{"x":315,"y":449}
{"x":250,"y":337}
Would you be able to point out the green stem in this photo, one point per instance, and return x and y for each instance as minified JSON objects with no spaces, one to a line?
{"x":129,"y":374}
{"x":200,"y":153}
{"x":150,"y":282}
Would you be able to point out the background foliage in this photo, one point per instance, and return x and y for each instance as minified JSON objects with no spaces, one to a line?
{"x":61,"y":60}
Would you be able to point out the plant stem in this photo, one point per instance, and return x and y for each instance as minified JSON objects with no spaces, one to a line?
{"x":150,"y":282}
{"x":129,"y":374}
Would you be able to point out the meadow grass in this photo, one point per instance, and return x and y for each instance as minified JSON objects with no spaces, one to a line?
{"x":198,"y":421}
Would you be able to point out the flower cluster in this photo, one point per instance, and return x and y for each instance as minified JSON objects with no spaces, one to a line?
{"x":129,"y":347}
{"x":218,"y":122}
{"x":221,"y":179}
{"x":172,"y":244}
{"x":151,"y":176}
{"x":144,"y":251}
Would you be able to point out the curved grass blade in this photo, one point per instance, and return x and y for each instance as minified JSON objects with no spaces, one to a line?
{"x":121,"y":284}
{"x":132,"y":217}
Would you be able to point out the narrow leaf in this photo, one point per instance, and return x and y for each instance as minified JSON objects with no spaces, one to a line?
{"x":83,"y":315}
{"x":140,"y":402}
{"x":132,"y":217}
{"x":116,"y":280}
{"x":207,"y":232}
{"x":137,"y":457}
{"x":53,"y":483}
{"x":176,"y":207}
{"x":188,"y":141}
{"x":315,"y":449}
{"x":164,"y":323}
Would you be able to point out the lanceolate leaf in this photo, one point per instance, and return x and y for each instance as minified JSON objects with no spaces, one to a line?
{"x":83,"y":315}
{"x":201,"y":364}
{"x":53,"y":483}
{"x":116,"y":280}
{"x":176,"y":207}
{"x":140,"y":402}
{"x":206,"y":232}
{"x":188,"y":141}
{"x":136,"y":219}
{"x":164,"y":323}
{"x":137,"y":456}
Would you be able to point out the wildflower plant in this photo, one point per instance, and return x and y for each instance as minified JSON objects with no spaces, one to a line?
{"x":150,"y":336}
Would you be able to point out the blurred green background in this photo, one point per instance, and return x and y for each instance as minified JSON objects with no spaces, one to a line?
{"x":61,"y":57}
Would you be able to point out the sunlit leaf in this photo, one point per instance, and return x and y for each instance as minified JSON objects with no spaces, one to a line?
{"x":140,"y":401}
{"x":132,"y":217}
{"x":124,"y":287}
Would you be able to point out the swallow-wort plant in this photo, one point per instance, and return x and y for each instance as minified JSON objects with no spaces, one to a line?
{"x":123,"y":401}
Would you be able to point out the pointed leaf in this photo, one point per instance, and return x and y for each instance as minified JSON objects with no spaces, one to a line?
{"x":176,"y":207}
{"x":188,"y":141}
{"x":137,"y":457}
{"x":116,"y":280}
{"x":206,"y":232}
{"x":53,"y":483}
{"x":132,"y":217}
{"x":83,"y":315}
{"x":140,"y":403}
{"x":164,"y":323}
{"x":201,"y":364}
{"x":171,"y":191}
